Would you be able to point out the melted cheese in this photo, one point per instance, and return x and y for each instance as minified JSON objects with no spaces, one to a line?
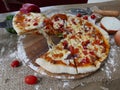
{"x":33,"y":21}
{"x":57,"y":24}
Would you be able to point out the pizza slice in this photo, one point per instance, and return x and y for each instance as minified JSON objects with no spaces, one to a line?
{"x":93,"y":48}
{"x":56,"y":60}
{"x":31,"y":22}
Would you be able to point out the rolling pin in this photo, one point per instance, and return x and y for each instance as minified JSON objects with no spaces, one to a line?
{"x":107,"y":12}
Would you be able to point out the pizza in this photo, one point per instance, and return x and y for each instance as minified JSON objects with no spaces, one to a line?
{"x":82,"y":49}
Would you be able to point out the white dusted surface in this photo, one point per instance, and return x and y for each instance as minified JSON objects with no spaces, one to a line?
{"x":13,"y":79}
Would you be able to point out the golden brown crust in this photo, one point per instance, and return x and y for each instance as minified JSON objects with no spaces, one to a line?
{"x":63,"y":75}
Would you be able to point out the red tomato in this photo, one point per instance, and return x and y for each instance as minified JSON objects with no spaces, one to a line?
{"x":28,"y":7}
{"x":85,"y":60}
{"x":15,"y":63}
{"x":93,"y":16}
{"x":85,"y":17}
{"x":31,"y":79}
{"x":78,"y":15}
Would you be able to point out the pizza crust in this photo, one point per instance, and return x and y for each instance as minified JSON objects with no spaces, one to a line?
{"x":55,"y":68}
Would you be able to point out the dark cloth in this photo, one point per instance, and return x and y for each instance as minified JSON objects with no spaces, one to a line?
{"x":14,"y":6}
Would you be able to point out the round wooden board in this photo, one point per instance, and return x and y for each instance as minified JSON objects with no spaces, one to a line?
{"x":33,"y":46}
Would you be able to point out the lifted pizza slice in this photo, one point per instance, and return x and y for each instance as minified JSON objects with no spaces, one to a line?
{"x":31,"y":22}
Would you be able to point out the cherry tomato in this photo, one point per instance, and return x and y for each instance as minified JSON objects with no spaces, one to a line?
{"x":85,"y":17}
{"x":78,"y":15}
{"x":31,"y":79}
{"x":15,"y":63}
{"x":26,"y":8}
{"x":93,"y":16}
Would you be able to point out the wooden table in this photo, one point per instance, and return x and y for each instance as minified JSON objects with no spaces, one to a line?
{"x":13,"y":78}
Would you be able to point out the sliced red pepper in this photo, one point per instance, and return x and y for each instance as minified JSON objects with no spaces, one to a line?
{"x":92,"y":53}
{"x":73,"y":21}
{"x":72,"y":37}
{"x":85,"y":61}
{"x":97,"y":42}
{"x":65,"y":44}
{"x":35,"y":24}
{"x":85,"y":43}
{"x":85,"y":52}
{"x":73,"y":50}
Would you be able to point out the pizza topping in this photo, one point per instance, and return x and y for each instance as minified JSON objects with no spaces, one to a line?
{"x":73,"y":50}
{"x":92,"y":53}
{"x":65,"y":44}
{"x":93,"y":16}
{"x":86,"y":28}
{"x":85,"y":52}
{"x":85,"y":43}
{"x":79,"y":15}
{"x":59,"y":21}
{"x":85,"y":61}
{"x":74,"y":22}
{"x":85,"y":17}
{"x":33,"y":21}
{"x":35,"y":24}
{"x":97,"y":42}
{"x":57,"y":17}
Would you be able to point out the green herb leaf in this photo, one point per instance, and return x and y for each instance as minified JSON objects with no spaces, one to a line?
{"x":11,"y":30}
